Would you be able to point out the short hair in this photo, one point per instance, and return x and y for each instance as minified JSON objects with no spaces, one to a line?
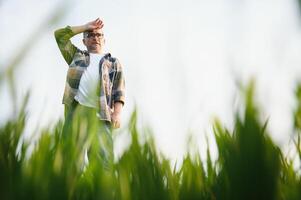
{"x":85,"y":33}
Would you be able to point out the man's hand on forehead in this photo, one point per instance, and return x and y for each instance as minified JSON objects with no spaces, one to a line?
{"x":95,"y":24}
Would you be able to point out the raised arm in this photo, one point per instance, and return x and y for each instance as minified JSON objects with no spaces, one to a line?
{"x":63,"y":36}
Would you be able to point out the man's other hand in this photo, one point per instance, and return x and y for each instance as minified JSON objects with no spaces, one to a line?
{"x":115,"y":119}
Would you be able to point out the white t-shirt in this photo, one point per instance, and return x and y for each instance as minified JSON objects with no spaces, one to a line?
{"x":87,"y":94}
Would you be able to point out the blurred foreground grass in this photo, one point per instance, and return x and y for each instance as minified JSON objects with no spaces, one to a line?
{"x":249,"y":165}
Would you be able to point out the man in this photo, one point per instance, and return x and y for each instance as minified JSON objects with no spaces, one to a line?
{"x":95,"y":81}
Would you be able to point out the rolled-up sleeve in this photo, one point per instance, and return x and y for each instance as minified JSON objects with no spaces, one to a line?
{"x":118,"y":92}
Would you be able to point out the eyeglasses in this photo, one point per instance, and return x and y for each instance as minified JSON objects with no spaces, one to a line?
{"x":98,"y":35}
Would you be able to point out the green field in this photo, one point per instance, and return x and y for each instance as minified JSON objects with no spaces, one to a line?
{"x":249,"y":164}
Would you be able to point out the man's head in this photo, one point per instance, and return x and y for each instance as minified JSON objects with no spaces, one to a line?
{"x":94,"y":40}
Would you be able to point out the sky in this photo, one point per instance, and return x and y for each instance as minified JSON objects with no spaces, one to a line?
{"x":182,"y":62}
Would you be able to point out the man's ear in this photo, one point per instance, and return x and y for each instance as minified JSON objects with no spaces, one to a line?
{"x":84,"y":41}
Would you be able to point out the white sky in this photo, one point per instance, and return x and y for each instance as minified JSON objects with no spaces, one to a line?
{"x":181,"y":59}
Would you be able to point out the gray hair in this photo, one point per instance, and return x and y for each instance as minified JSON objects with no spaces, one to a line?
{"x":85,"y":33}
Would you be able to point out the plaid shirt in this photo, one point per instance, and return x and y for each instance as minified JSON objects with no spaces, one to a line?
{"x":78,"y":62}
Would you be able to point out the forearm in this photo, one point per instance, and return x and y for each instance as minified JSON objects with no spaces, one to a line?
{"x":78,"y":29}
{"x":118,"y":107}
{"x":69,"y":31}
{"x":95,"y":24}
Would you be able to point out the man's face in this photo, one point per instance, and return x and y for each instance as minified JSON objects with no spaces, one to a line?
{"x":94,"y":40}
